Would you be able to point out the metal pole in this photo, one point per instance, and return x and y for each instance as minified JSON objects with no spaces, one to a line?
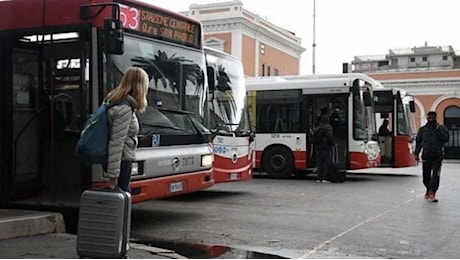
{"x":313,"y":66}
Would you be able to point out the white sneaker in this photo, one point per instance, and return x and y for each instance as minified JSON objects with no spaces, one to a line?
{"x":325,"y":181}
{"x":318,"y":181}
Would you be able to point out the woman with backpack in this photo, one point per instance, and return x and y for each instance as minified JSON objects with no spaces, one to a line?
{"x":130,"y":95}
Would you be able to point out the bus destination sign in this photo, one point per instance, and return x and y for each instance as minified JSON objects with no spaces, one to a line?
{"x":160,"y":25}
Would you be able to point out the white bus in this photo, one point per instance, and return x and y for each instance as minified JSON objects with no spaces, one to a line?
{"x":232,"y":134}
{"x":285,"y":110}
{"x":398,"y":107}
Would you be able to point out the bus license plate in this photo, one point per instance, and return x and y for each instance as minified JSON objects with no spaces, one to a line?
{"x":176,"y":186}
{"x":235,"y":176}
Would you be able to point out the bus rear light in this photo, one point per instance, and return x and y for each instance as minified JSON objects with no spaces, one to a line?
{"x":207,"y":160}
{"x":137,"y":168}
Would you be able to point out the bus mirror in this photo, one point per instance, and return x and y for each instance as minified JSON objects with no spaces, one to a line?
{"x":367,"y":99}
{"x":412,"y":106}
{"x":211,"y":78}
{"x":113,"y":36}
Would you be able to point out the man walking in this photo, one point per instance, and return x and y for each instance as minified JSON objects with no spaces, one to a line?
{"x":430,"y":140}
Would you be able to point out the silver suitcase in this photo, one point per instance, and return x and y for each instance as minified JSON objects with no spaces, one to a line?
{"x":104,"y":224}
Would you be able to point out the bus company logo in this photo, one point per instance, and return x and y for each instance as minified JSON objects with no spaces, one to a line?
{"x":218,"y":149}
{"x":175,"y":164}
{"x":234,"y":158}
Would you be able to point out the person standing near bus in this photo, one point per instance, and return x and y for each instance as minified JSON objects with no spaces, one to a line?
{"x":323,"y":144}
{"x":122,"y":147}
{"x":383,"y":129}
{"x":431,"y":139}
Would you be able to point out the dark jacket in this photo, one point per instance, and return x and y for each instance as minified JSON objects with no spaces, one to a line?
{"x":383,"y":131}
{"x":328,"y":140}
{"x":431,"y":138}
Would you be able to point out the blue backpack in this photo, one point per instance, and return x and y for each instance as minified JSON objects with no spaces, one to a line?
{"x":92,"y":147}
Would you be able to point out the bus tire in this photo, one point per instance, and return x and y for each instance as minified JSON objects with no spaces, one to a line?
{"x":278,"y":162}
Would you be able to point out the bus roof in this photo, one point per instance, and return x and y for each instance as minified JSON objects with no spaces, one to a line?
{"x":394,"y":90}
{"x":315,"y":84}
{"x":220,"y":53}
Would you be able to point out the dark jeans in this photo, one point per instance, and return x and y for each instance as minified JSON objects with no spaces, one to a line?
{"x":323,"y":162}
{"x":431,"y":170}
{"x":125,"y":175}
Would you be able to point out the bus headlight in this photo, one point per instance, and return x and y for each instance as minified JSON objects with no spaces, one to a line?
{"x":206,"y":160}
{"x":372,"y":150}
{"x":137,"y":168}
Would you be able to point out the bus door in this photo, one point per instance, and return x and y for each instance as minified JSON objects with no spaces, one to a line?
{"x":45,"y":77}
{"x":399,"y":140}
{"x":20,"y":135}
{"x":335,"y":106}
{"x":404,"y":132}
{"x":384,"y":111}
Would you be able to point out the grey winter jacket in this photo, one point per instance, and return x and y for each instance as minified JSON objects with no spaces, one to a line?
{"x":431,"y":138}
{"x":123,"y":136}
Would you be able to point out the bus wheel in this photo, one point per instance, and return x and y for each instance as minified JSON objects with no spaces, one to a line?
{"x":278,"y":163}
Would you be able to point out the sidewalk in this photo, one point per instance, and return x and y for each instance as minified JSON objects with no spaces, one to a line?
{"x":35,"y":234}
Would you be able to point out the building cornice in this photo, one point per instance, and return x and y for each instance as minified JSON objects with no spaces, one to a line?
{"x":252,"y":30}
{"x":426,"y":86}
{"x":230,"y":16}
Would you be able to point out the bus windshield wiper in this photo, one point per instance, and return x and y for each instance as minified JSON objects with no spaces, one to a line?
{"x":163,"y":126}
{"x":174,"y":111}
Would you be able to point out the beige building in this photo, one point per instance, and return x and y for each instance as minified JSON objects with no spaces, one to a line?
{"x":431,"y":74}
{"x":264,"y":48}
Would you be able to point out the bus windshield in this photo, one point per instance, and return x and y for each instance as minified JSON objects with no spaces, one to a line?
{"x":229,"y":96}
{"x":406,"y":120}
{"x":177,"y":93}
{"x":364,"y":126}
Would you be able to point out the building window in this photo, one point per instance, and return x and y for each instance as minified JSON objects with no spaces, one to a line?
{"x":268,"y":70}
{"x":412,"y":59}
{"x":262,"y":49}
{"x":425,"y":58}
{"x":444,"y":57}
{"x":383,"y":63}
{"x":276,"y":72}
{"x":263,"y":70}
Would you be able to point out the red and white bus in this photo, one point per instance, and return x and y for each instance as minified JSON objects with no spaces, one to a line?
{"x":232,"y":134}
{"x":58,"y":61}
{"x":398,"y":107}
{"x":285,"y":110}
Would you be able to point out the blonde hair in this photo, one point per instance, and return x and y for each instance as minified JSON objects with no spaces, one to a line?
{"x":135,"y":82}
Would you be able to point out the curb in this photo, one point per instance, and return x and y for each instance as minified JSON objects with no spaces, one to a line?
{"x":19,"y":223}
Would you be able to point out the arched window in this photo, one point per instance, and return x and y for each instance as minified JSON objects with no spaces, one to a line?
{"x":452,"y":117}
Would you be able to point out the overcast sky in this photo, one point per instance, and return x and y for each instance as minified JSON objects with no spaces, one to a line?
{"x":349,"y":28}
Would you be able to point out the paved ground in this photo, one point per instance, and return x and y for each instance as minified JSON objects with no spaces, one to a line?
{"x":34,"y":234}
{"x":63,"y":246}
